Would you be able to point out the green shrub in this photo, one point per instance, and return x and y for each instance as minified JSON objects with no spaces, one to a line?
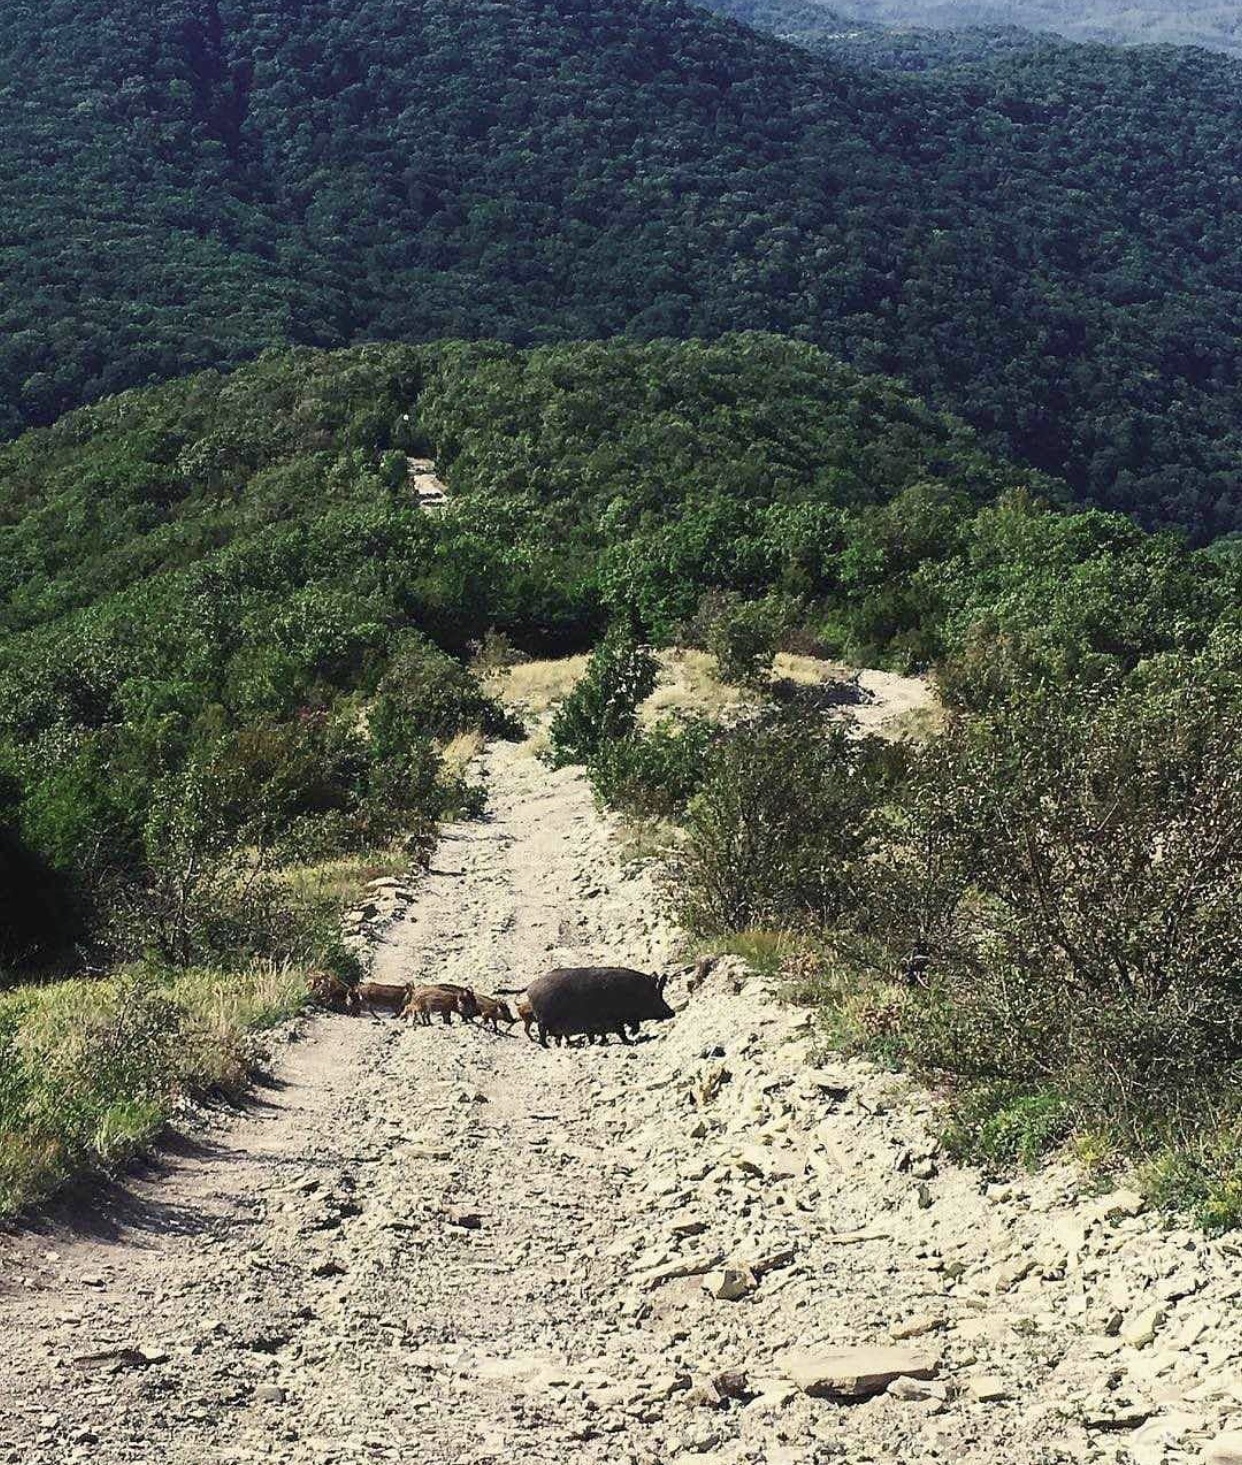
{"x":425,"y":693}
{"x":653,"y":774}
{"x":1071,"y":869}
{"x":1001,"y":1125}
{"x":743,"y":638}
{"x":779,"y":830}
{"x":1205,"y":1181}
{"x":603,"y":707}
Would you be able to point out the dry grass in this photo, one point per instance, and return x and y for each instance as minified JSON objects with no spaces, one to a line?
{"x":808,"y":671}
{"x":461,"y":751}
{"x":913,"y":724}
{"x":90,"y":1071}
{"x":689,"y":684}
{"x":340,"y":883}
{"x":901,"y":707}
{"x":537,"y":686}
{"x":895,"y":706}
{"x":646,"y":839}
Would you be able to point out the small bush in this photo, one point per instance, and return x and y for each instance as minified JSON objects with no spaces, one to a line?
{"x":778,"y":832}
{"x":494,"y":655}
{"x":653,"y":775}
{"x":1206,"y":1183}
{"x":603,"y":707}
{"x":1000,"y":1125}
{"x":427,"y":694}
{"x":1081,"y":866}
{"x":743,"y":638}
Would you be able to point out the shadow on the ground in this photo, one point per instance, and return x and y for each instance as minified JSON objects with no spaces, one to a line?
{"x":122,"y":1207}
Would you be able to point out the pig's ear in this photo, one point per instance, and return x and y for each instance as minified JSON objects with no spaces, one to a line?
{"x":661,"y":983}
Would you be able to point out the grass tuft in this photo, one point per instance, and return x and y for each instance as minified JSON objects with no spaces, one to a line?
{"x":91,"y":1071}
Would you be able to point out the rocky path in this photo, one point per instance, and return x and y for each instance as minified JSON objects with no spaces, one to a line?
{"x":454,"y":1247}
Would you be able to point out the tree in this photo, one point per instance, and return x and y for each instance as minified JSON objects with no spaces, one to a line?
{"x":603,"y":707}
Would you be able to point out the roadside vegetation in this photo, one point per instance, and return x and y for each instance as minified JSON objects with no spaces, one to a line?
{"x":239,"y":663}
{"x":92,"y":1070}
{"x":1035,"y":907}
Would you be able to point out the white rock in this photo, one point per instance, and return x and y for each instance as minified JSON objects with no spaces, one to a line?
{"x":1010,"y":1273}
{"x":1141,"y":1329}
{"x":730,"y":1284}
{"x":985,"y":1388}
{"x":1225,"y":1449}
{"x":1151,"y":1441}
{"x":914,"y":1391}
{"x":856,"y":1373}
{"x":917,"y":1327}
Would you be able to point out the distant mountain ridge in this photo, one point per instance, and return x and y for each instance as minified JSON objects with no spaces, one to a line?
{"x":1043,"y":244}
{"x":887,"y":45}
{"x":1207,"y":23}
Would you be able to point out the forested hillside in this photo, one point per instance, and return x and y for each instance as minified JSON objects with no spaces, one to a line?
{"x":205,"y":584}
{"x":901,"y":47}
{"x":1044,"y":249}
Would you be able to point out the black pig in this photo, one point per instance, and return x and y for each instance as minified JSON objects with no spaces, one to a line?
{"x":595,"y":999}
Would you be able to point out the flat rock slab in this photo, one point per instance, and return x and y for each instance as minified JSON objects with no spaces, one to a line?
{"x":856,"y":1373}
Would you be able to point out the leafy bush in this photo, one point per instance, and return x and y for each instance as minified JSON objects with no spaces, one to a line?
{"x":426,"y":693}
{"x":1085,"y":859}
{"x":743,"y":639}
{"x":38,"y":918}
{"x":1203,"y":1177}
{"x":1030,"y":599}
{"x":653,"y":774}
{"x":779,"y":830}
{"x":603,"y":707}
{"x":1002,"y":1125}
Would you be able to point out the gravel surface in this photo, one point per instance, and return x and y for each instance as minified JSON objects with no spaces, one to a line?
{"x":446,"y":1245}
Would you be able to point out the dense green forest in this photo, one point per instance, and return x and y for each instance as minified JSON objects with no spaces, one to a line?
{"x":227,"y":626}
{"x":1042,"y":247}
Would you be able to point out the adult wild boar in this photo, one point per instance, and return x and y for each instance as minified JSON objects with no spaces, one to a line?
{"x":595,"y":999}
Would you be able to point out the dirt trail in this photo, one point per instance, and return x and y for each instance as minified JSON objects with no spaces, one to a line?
{"x":453,"y":1247}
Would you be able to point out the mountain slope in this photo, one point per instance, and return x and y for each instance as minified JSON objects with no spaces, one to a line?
{"x":199,"y":582}
{"x":844,"y":37}
{"x":1043,"y":250}
{"x":1168,"y":22}
{"x":203,"y":585}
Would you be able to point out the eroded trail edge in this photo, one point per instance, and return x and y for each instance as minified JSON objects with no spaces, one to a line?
{"x":450,"y":1246}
